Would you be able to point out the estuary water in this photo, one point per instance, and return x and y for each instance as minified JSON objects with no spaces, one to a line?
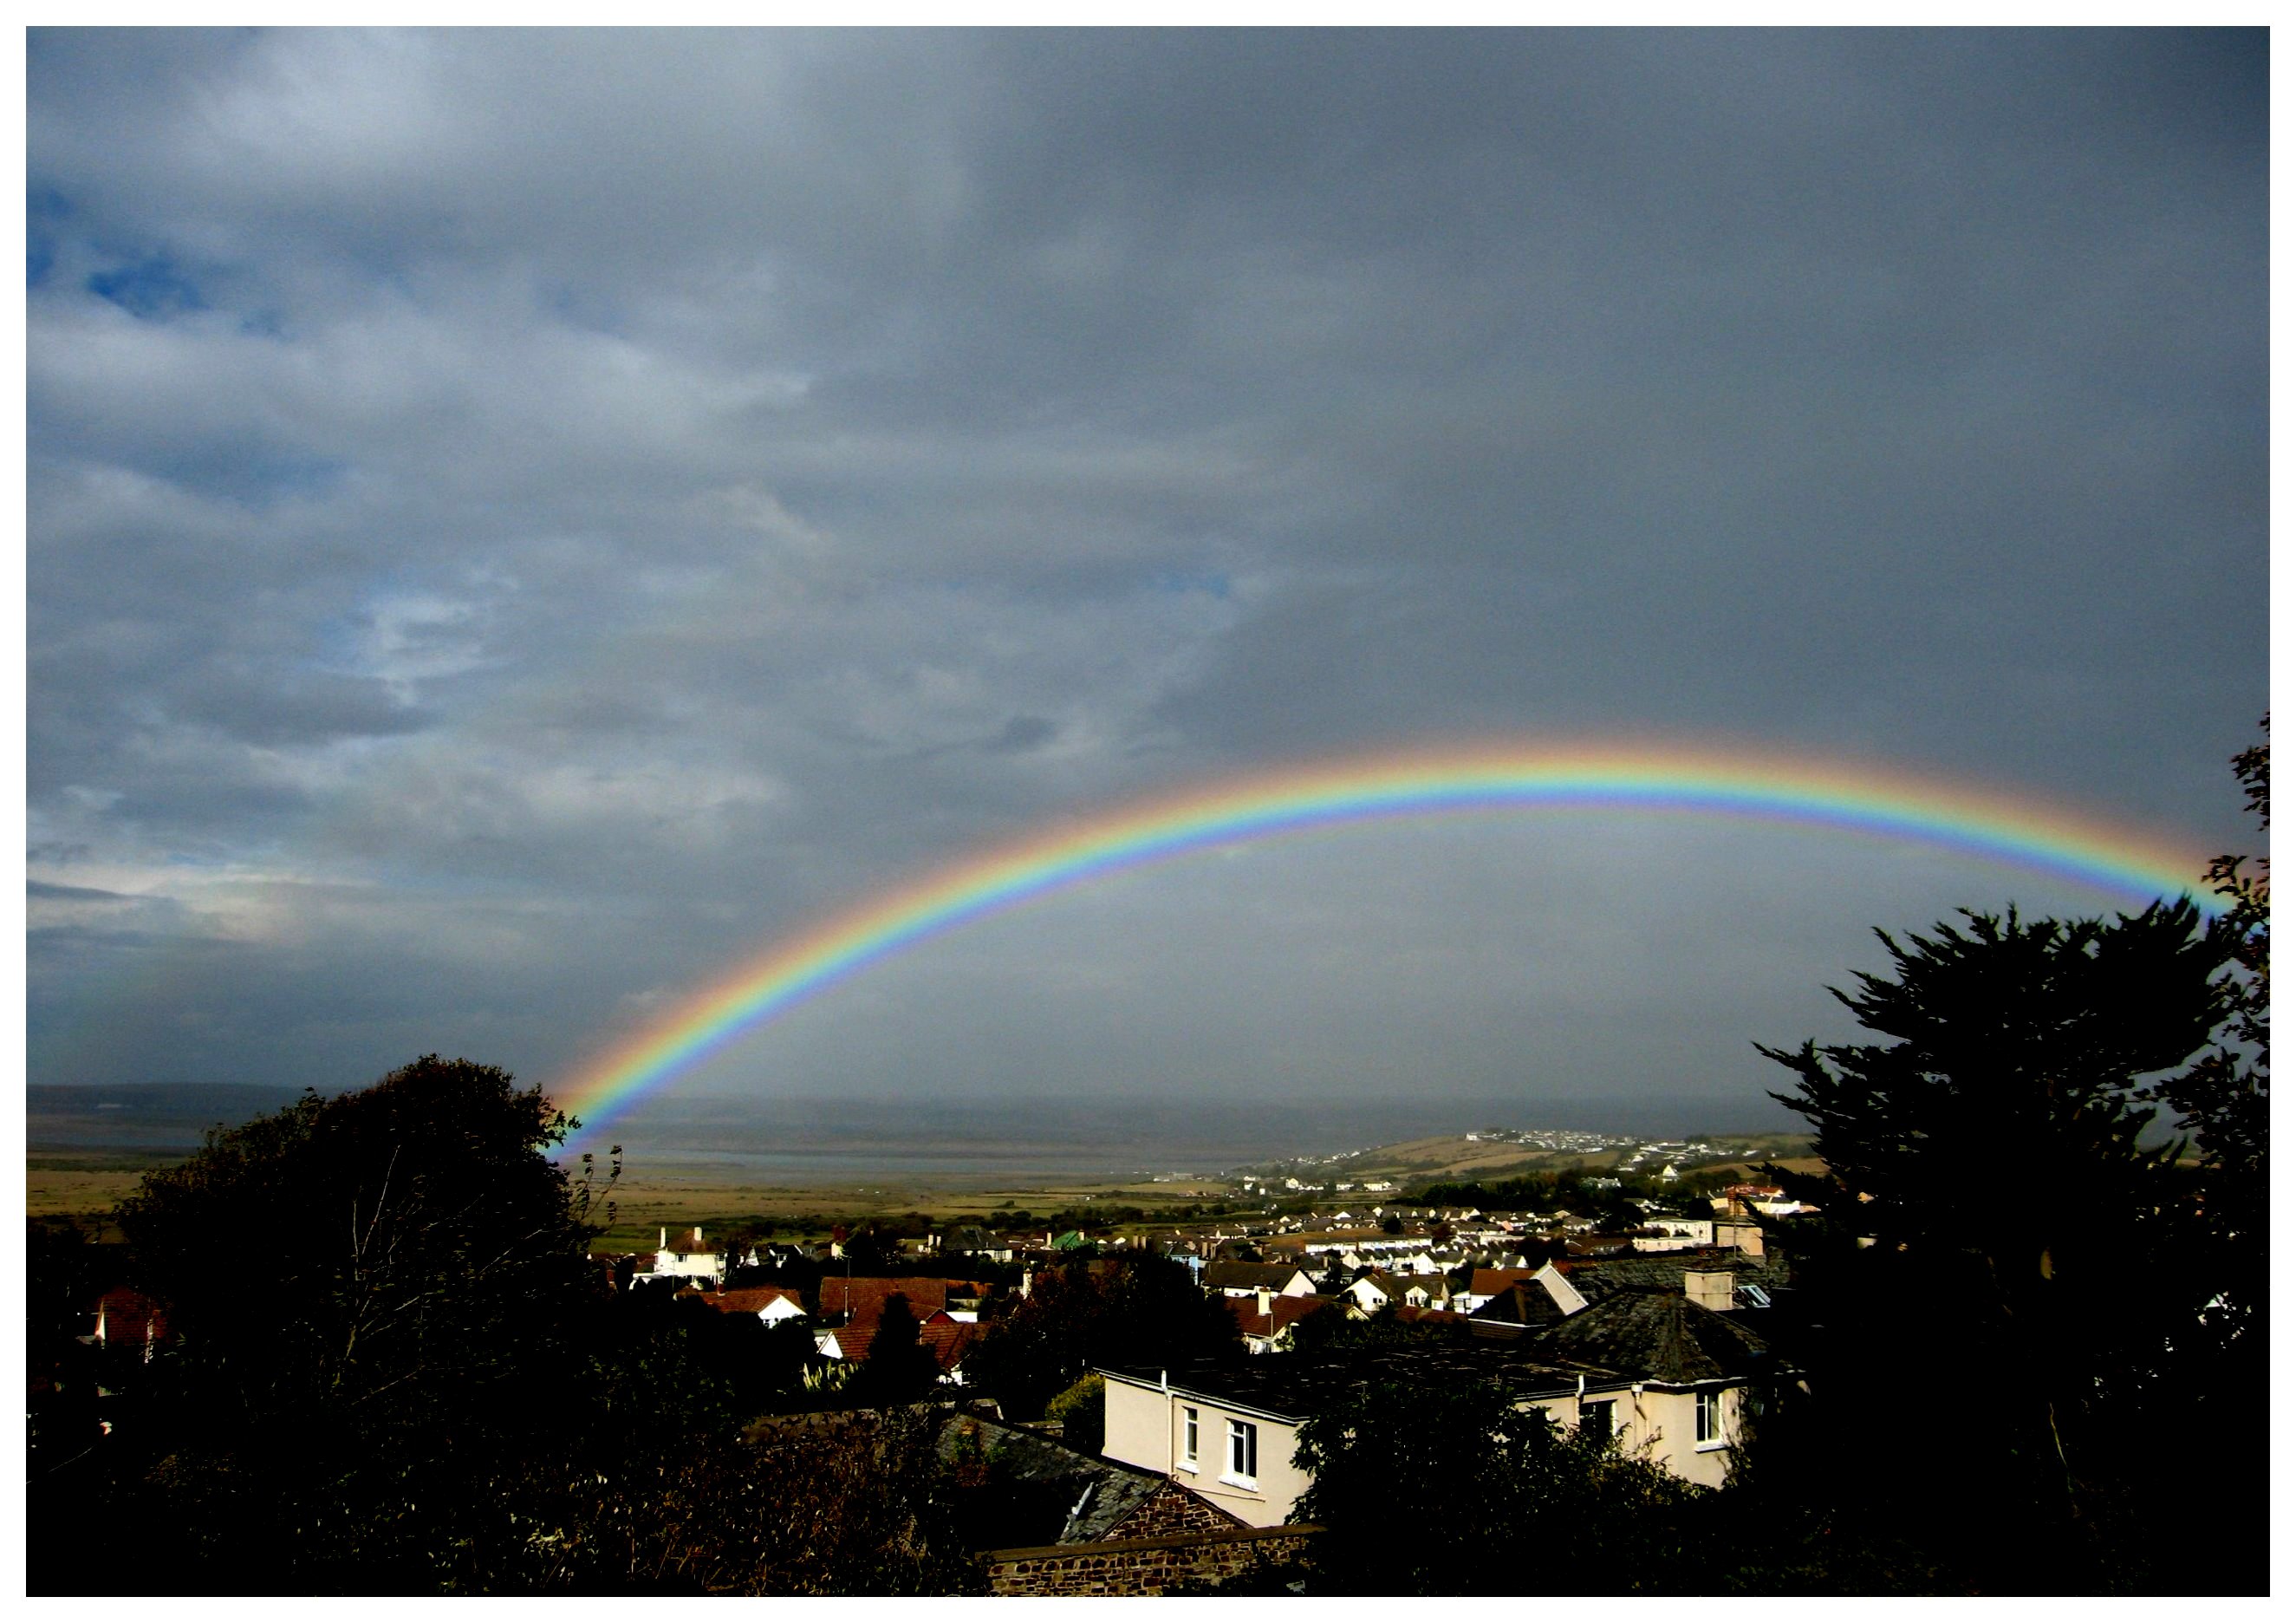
{"x":809,"y":1141}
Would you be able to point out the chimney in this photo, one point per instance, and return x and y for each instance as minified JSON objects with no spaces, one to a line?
{"x":664,"y":1244}
{"x":1715,"y":1290}
{"x":1265,"y":1307}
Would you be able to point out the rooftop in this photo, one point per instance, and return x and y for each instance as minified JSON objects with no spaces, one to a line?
{"x":1655,"y":1335}
{"x":1292,"y":1386}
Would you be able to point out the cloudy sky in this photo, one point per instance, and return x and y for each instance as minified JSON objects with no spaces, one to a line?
{"x":521,"y":521}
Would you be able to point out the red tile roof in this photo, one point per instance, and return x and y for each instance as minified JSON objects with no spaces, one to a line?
{"x":128,"y":1318}
{"x":1284,"y":1312}
{"x":949,"y":1342}
{"x":1410,"y":1314}
{"x":755,"y":1298}
{"x":1490,"y":1282}
{"x":865,"y":1299}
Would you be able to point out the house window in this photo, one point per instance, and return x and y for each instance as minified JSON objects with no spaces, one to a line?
{"x":1243,"y":1453}
{"x":1187,"y":1437}
{"x":1709,"y":1419}
{"x":1596,"y":1419}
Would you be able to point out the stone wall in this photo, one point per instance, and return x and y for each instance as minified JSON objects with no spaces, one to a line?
{"x":1171,"y":1510}
{"x":1142,"y":1566}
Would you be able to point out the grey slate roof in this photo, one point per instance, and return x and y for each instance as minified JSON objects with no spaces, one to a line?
{"x":1051,"y":1493}
{"x":1654,"y":1335}
{"x":1293,"y":1386}
{"x":1663,"y":1271}
{"x":1521,"y":1302}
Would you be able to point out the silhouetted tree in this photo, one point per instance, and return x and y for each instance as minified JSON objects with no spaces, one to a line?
{"x":899,"y":1369}
{"x":1138,"y":1309}
{"x":1990,"y":1153}
{"x":377,"y":1304}
{"x":1438,"y":1488}
{"x":2222,"y":1098}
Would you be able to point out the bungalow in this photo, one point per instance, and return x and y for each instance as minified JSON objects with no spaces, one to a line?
{"x":846,"y":1343}
{"x":852,"y":1299}
{"x":1486,"y":1284}
{"x":1249,"y":1279}
{"x":1265,"y":1321}
{"x":949,"y":1342}
{"x":1373,"y":1290}
{"x":972,"y":1240}
{"x":771,"y":1303}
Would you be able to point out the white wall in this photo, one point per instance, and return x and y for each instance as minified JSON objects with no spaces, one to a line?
{"x":1143,"y":1426}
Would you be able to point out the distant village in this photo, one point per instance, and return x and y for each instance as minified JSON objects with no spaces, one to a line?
{"x":1640,"y":1310}
{"x":1664,"y":1158}
{"x":1646,"y":1321}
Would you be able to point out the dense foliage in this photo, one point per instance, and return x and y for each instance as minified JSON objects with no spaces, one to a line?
{"x":393,"y":1370}
{"x":1451,"y":1489}
{"x":1996,"y":1207}
{"x":1135,"y":1308}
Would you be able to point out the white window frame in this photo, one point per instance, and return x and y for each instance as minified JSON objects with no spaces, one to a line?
{"x":1190,"y":1432}
{"x":1242,"y":1454}
{"x":1709,"y":1436}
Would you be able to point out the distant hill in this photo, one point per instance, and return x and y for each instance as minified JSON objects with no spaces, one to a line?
{"x":1457,"y":1158}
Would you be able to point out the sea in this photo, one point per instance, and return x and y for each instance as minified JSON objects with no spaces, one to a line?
{"x":822,"y":1141}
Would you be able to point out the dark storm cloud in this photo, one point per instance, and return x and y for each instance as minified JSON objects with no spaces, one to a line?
{"x":610,"y":498}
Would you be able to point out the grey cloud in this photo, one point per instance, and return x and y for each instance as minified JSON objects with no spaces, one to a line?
{"x":40,"y":892}
{"x":671,"y":485}
{"x":1022,"y":734}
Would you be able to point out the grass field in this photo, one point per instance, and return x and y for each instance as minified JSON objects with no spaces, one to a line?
{"x":645,"y":1206}
{"x":86,"y":1187}
{"x":74,"y":1192}
{"x":666,"y":1195}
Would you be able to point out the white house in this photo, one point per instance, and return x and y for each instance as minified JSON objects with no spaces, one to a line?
{"x":689,"y":1259}
{"x":1669,"y":1385}
{"x":772,"y":1304}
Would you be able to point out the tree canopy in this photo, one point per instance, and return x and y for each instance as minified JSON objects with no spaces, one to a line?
{"x":394,"y":1369}
{"x":2004,"y":1195}
{"x":1449,"y":1488}
{"x":1133,"y":1308}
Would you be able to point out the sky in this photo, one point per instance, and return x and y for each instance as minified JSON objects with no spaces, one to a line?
{"x":519,"y":522}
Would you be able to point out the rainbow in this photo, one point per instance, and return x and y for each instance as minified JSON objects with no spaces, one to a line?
{"x":1768,"y":789}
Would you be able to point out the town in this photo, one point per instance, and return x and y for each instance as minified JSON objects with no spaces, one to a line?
{"x":384,"y":1342}
{"x":1659,"y":1354}
{"x":1150,"y":1377}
